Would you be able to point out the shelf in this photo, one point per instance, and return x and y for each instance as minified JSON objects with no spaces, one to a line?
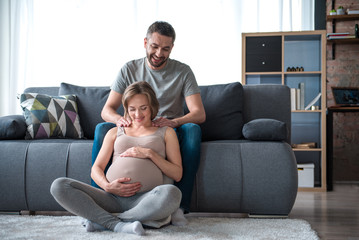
{"x":263,"y":73}
{"x":315,"y":189}
{"x":307,"y":149}
{"x":306,"y":111}
{"x":309,"y":72}
{"x":306,"y":49}
{"x":279,"y":73}
{"x":343,"y":17}
{"x":344,"y":40}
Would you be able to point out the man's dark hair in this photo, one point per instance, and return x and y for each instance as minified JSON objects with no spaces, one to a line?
{"x":163,"y":28}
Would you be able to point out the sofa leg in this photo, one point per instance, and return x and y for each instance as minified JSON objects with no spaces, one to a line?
{"x":32,"y":213}
{"x":266,"y":216}
{"x":27,"y":213}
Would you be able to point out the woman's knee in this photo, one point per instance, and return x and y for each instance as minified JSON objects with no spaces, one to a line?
{"x":58,"y":186}
{"x":168,"y":193}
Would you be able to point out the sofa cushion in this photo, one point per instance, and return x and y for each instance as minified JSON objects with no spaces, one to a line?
{"x":90,"y":101}
{"x":12,"y":127}
{"x":50,"y":116}
{"x":265,"y":129}
{"x":223,"y":104}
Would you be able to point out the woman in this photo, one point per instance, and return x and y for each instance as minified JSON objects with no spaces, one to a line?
{"x":145,"y":159}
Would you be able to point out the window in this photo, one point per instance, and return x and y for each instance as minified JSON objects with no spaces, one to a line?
{"x":86,"y":42}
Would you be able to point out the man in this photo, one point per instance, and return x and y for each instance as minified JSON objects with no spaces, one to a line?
{"x":173,"y":82}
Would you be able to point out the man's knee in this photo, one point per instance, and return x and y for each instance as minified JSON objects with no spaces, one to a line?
{"x":191,"y":128}
{"x":191,"y":134}
{"x":101,"y":130}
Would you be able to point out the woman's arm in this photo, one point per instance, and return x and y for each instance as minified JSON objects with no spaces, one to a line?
{"x":98,"y":170}
{"x":172,"y":167}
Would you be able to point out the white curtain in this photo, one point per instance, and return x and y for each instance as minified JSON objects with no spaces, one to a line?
{"x":15,"y":48}
{"x":86,"y":42}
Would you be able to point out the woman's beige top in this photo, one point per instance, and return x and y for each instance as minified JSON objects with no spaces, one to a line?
{"x":138,"y":169}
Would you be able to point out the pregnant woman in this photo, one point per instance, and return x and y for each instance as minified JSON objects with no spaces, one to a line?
{"x":137,"y":188}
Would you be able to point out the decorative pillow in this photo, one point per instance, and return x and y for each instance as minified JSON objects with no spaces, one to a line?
{"x":12,"y":127}
{"x":223,"y":104}
{"x":90,"y":101}
{"x":265,"y":129}
{"x":50,"y":116}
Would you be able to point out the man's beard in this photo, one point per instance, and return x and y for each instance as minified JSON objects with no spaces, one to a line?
{"x":157,"y":64}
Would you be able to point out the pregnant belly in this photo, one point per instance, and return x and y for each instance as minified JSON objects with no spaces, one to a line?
{"x":138,"y":169}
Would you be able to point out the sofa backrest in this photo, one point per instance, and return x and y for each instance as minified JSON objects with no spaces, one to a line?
{"x":228,"y":106}
{"x":223,"y":104}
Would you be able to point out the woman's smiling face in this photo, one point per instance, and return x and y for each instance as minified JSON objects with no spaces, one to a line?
{"x":139,"y":109}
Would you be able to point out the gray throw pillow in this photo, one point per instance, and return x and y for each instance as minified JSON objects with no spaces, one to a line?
{"x":223,"y":104}
{"x":90,"y":101}
{"x":12,"y":127}
{"x":265,"y":129}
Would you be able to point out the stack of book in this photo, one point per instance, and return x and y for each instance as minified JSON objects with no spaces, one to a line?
{"x":297,"y":98}
{"x":331,"y":36}
{"x":353,"y":11}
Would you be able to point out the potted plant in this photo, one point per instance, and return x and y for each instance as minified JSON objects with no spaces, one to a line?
{"x":340,"y":10}
{"x":333,"y":12}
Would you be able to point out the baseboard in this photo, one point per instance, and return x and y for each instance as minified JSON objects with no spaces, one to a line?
{"x":9,"y":213}
{"x":266,"y":216}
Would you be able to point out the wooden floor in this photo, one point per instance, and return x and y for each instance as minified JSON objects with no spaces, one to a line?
{"x":334,"y":214}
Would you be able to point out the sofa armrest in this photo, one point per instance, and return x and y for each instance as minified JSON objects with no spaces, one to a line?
{"x":268,"y":101}
{"x":12,"y":127}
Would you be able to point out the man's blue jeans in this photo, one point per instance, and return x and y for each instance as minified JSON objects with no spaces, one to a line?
{"x":189,"y":137}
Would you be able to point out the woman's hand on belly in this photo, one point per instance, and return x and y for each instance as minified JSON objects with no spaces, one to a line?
{"x":136,"y":152}
{"x":120,"y":188}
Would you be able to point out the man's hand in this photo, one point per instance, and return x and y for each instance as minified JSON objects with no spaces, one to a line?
{"x":120,"y":188}
{"x":123,"y":122}
{"x":161,"y":122}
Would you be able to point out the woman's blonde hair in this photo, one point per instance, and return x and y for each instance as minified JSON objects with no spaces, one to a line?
{"x":144,"y":88}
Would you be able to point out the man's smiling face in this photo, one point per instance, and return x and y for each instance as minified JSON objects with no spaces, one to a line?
{"x":158,"y":48}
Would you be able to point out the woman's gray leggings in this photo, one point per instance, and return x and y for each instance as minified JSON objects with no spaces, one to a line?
{"x":97,"y":205}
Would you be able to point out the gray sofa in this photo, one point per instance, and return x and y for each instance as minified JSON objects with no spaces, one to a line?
{"x":246,"y":166}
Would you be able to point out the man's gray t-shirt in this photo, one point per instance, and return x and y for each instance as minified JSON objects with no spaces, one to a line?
{"x":171,"y":84}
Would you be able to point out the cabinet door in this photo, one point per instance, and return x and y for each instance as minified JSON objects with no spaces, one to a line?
{"x":264,"y":54}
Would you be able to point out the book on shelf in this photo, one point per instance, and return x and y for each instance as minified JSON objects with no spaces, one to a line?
{"x":301,"y":87}
{"x":297,"y":92}
{"x":341,"y":37}
{"x":353,"y":11}
{"x":338,"y":34}
{"x":293,"y":100}
{"x":305,"y":145}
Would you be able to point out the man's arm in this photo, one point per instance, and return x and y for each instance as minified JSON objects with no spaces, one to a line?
{"x":109,"y":111}
{"x":196,"y":113}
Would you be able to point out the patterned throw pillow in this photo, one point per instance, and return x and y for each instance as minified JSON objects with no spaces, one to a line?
{"x":50,"y":116}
